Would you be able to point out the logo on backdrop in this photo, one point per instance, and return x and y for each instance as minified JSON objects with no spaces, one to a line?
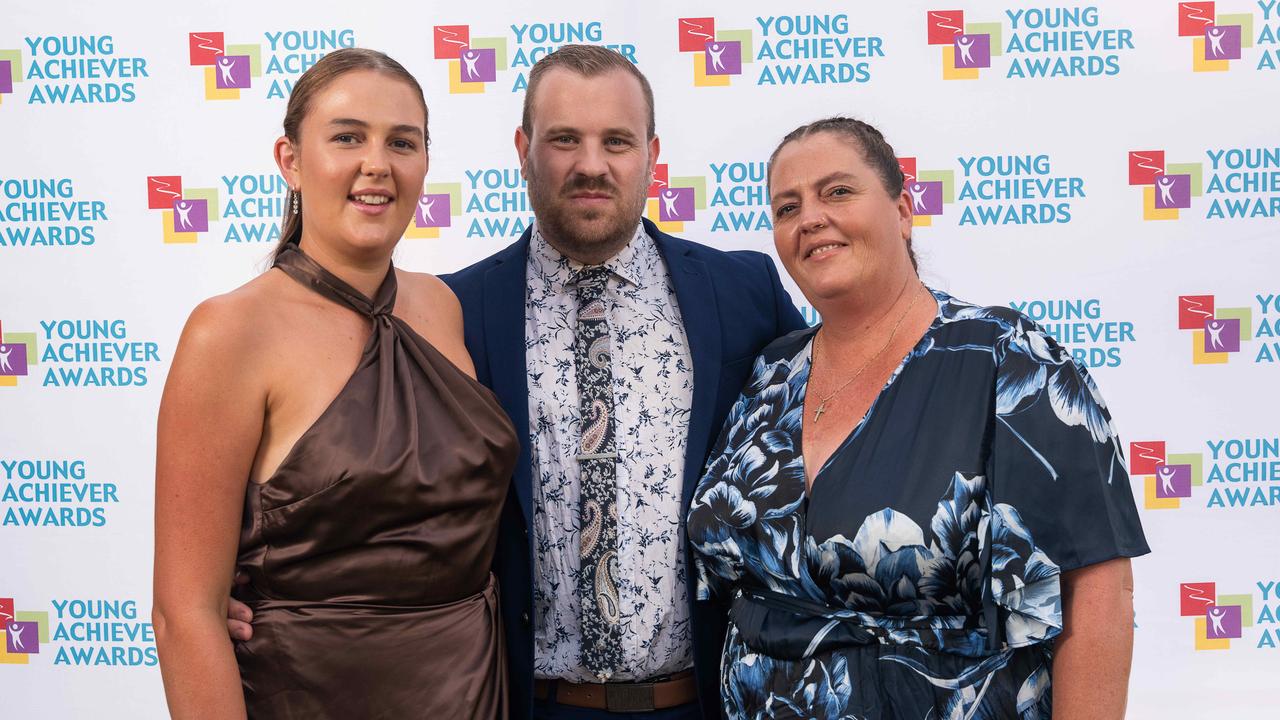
{"x":77,"y":353}
{"x":46,"y":212}
{"x":231,"y":68}
{"x":1223,"y":41}
{"x":241,"y":209}
{"x":18,"y":356}
{"x":53,"y":493}
{"x":1057,"y":42}
{"x":735,"y":200}
{"x":1239,"y":473}
{"x":791,"y":50}
{"x":1079,"y":324}
{"x":1220,"y":618}
{"x":476,"y":63}
{"x":69,"y":70}
{"x":931,"y":190}
{"x":994,"y":190}
{"x":1243,"y":183}
{"x":79,"y":632}
{"x":1219,"y":333}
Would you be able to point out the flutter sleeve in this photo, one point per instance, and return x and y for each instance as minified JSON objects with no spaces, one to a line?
{"x":1061,"y":498}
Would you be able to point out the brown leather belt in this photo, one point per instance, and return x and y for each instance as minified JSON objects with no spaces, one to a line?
{"x":673,"y":691}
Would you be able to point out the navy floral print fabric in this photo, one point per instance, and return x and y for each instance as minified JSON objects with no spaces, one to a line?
{"x":920,"y":576}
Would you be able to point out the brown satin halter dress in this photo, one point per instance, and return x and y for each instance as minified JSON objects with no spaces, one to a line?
{"x":368,"y":550}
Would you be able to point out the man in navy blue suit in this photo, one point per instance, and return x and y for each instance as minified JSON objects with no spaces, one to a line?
{"x":617,"y":350}
{"x":682,"y":325}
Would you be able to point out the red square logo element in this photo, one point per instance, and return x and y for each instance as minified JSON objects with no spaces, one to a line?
{"x":205,"y":47}
{"x":1145,"y":456}
{"x":1195,"y":598}
{"x":908,"y":165}
{"x":162,"y":190}
{"x":695,"y":33}
{"x":6,"y":611}
{"x":1194,"y":17}
{"x":450,"y":39}
{"x":660,"y":179}
{"x":1193,"y":310}
{"x":944,"y":25}
{"x":1145,"y":166}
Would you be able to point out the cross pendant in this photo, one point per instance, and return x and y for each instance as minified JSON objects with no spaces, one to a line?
{"x":817,"y":414}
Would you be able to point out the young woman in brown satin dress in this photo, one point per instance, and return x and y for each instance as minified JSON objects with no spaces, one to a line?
{"x":321,"y":430}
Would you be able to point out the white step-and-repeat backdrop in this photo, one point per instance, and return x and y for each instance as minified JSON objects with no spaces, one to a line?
{"x":1111,"y":169}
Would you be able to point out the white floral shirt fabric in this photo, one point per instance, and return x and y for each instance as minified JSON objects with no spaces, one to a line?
{"x":653,"y":397}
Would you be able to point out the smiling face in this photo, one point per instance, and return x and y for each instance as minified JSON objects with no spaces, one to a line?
{"x":838,"y":232}
{"x":359,"y":162}
{"x":588,"y":161}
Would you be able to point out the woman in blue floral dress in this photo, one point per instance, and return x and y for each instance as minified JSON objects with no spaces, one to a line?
{"x":919,"y":509}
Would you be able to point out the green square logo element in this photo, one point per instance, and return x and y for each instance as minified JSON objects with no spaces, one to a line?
{"x":946,"y":177}
{"x":1243,"y":314}
{"x":453,"y":190}
{"x":699,"y":185}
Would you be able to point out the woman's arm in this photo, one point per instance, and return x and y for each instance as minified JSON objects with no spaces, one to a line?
{"x":1094,"y":651}
{"x":210,"y":425}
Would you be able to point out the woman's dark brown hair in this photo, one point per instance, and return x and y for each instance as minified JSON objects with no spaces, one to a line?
{"x":313,"y":81}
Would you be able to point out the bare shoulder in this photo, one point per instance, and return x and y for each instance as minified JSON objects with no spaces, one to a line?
{"x":426,"y":300}
{"x":433,"y":311}
{"x":240,"y":321}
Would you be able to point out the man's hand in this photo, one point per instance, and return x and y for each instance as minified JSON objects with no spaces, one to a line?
{"x":239,"y":615}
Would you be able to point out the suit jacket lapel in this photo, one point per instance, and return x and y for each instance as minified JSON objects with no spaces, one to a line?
{"x":504,"y":320}
{"x":697,"y":298}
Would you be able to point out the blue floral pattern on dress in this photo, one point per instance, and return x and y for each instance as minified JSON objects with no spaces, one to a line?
{"x":848,"y":606}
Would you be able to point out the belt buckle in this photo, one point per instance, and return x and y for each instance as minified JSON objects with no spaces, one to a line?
{"x":628,"y":697}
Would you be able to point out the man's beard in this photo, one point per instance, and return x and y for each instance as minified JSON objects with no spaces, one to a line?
{"x":596,"y":234}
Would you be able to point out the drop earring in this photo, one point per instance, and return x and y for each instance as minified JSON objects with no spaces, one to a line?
{"x":296,"y":195}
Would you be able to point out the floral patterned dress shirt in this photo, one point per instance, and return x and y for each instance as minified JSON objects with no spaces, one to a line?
{"x":653,"y":394}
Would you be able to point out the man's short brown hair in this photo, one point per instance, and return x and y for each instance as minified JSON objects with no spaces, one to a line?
{"x":587,"y":61}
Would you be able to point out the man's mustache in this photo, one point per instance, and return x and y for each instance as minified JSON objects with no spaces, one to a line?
{"x":588,"y":184}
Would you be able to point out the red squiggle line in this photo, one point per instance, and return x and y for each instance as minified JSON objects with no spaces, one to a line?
{"x":1198,"y":592}
{"x":1143,"y":449}
{"x":217,"y":51}
{"x":1195,"y":306}
{"x":451,"y":35}
{"x":941,"y":19}
{"x":162,"y":186}
{"x":1192,"y":16}
{"x":696,"y":27}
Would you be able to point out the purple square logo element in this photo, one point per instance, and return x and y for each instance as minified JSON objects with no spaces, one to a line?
{"x":24,"y":638}
{"x":6,"y":77}
{"x":478,"y":64}
{"x":1222,"y":42}
{"x":1222,"y":335}
{"x":724,"y":57}
{"x":432,"y":211}
{"x":675,"y":204}
{"x":1173,"y":481}
{"x":13,"y":359}
{"x":972,"y":51}
{"x":926,"y":197}
{"x":1223,"y":622}
{"x":190,"y":215}
{"x":1173,"y":191}
{"x":231,"y":72}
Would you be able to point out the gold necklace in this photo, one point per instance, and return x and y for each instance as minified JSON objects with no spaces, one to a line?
{"x":822,"y":406}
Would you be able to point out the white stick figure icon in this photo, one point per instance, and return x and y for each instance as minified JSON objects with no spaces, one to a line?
{"x":1215,"y":41}
{"x":425,"y":204}
{"x":917,"y":196}
{"x":715,"y":50}
{"x":1166,"y":190}
{"x":965,"y":43}
{"x":1166,"y":480}
{"x":184,"y":213}
{"x":4,"y":364}
{"x":225,"y":64}
{"x":1215,"y":616}
{"x":15,"y":636}
{"x":1215,"y":333}
{"x":669,"y":198}
{"x":469,"y":59}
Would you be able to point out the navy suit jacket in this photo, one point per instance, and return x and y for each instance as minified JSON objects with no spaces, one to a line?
{"x":732,"y":303}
